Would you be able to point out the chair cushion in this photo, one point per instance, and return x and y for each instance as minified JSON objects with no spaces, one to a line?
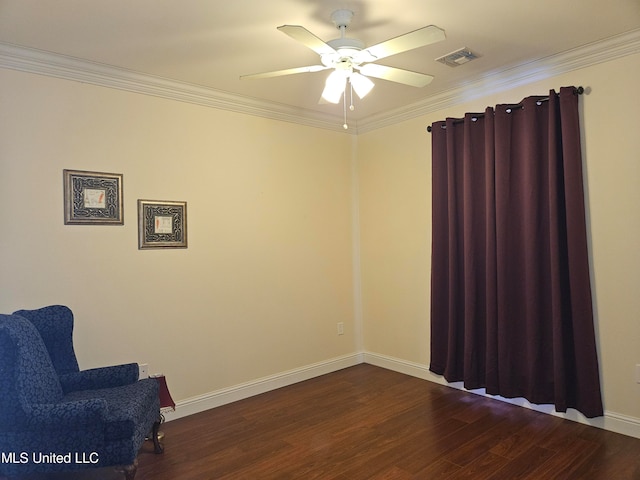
{"x":128,"y":406}
{"x":101,"y":377}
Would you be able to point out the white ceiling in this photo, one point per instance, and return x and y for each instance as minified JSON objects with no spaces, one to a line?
{"x":211,"y":43}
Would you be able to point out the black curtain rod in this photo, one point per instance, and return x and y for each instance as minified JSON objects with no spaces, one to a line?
{"x":577,"y":90}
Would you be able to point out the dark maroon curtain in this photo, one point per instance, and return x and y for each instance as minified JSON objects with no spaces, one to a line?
{"x":511,"y":307}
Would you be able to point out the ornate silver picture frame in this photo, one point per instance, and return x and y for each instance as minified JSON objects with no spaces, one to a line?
{"x":162,"y":224}
{"x":92,"y":198}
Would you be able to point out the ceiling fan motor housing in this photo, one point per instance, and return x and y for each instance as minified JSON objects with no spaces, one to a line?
{"x":346,"y":50}
{"x":342,"y":18}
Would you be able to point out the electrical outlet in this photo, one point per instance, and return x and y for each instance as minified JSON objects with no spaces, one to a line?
{"x":143,"y":370}
{"x":340,"y":328}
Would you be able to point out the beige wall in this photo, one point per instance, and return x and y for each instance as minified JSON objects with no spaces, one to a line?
{"x":275,"y":232}
{"x":394,"y":171}
{"x":268,"y":271}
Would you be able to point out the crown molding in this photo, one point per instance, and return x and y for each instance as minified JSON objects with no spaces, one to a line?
{"x":70,"y":68}
{"x":31,"y":60}
{"x":587,"y":55}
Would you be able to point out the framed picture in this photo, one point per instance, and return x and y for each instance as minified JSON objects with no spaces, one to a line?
{"x":162,"y":224}
{"x":92,"y":198}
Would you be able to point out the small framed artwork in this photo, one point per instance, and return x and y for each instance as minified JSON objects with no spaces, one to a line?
{"x":162,"y":224}
{"x":92,"y":198}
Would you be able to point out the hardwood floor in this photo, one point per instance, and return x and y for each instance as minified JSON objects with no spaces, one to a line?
{"x":366,"y":422}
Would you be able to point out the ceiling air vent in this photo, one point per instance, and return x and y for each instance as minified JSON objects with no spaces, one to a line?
{"x":457,"y":58}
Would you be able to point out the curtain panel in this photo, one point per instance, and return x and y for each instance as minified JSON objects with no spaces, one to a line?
{"x":511,"y":306}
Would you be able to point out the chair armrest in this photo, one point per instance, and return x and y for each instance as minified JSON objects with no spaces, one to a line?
{"x":67,"y":415}
{"x":103,"y":377}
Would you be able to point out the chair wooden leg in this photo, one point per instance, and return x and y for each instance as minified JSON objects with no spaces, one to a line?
{"x":129,"y":470}
{"x":157,"y":446}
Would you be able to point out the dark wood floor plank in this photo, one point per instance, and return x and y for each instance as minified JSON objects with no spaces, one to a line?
{"x":565,"y":462}
{"x":521,"y":441}
{"x":440,"y":469}
{"x":615,"y":457}
{"x":482,"y":467}
{"x":520,"y":467}
{"x":393,"y":473}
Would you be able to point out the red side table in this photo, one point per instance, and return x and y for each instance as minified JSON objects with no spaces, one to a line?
{"x":166,"y":402}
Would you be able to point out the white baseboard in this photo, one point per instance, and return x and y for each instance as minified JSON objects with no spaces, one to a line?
{"x":224,"y":396}
{"x":611,"y":421}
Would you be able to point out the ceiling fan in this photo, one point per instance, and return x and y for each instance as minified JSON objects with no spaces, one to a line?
{"x":353,"y":63}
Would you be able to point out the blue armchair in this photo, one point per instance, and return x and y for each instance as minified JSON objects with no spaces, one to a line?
{"x":54,"y":417}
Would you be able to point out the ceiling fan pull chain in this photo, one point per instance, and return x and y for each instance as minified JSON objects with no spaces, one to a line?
{"x":351,"y":107}
{"x":344,"y":103}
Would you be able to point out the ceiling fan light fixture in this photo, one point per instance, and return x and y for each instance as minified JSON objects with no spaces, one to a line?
{"x":361,"y":84}
{"x":334,"y":86}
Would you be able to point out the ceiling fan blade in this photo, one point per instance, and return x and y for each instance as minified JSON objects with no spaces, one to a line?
{"x":408,"y":41}
{"x":288,"y":71}
{"x":397,"y":75}
{"x":307,"y":38}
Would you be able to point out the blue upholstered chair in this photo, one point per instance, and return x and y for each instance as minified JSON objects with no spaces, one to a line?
{"x":53,"y":417}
